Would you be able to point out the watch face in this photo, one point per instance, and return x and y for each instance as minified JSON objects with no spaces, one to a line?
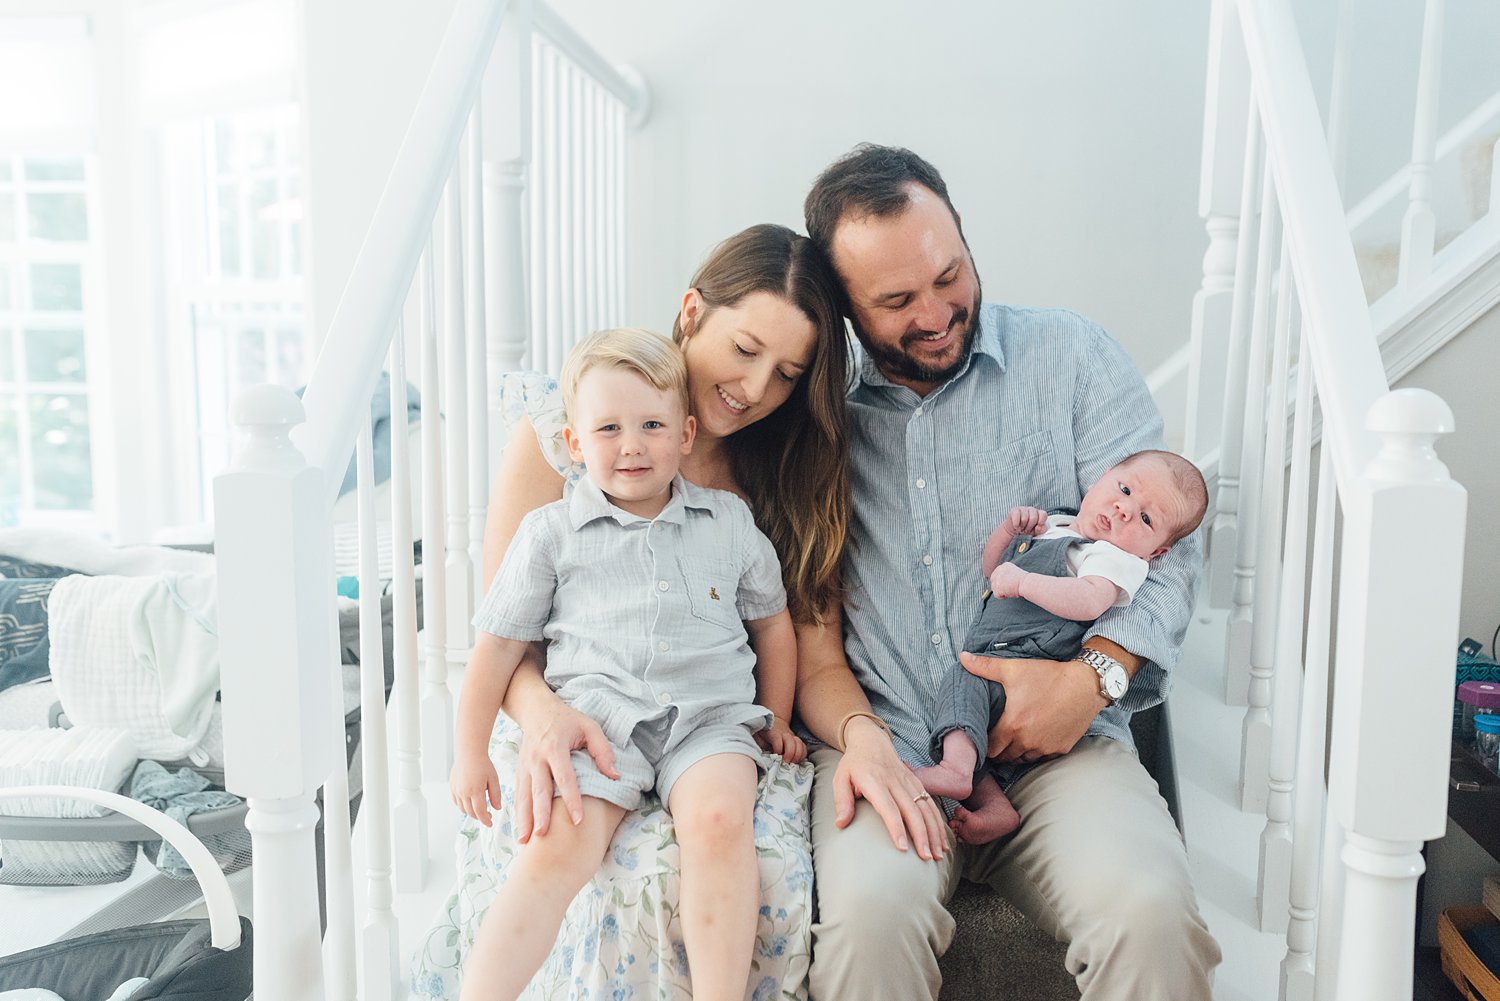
{"x":1116,"y":681}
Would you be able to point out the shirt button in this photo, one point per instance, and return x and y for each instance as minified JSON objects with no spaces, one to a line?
{"x":926,"y":560}
{"x":663,"y":646}
{"x":661,"y":585}
{"x":665,"y":698}
{"x":917,"y":412}
{"x":921,"y":483}
{"x":936,"y":639}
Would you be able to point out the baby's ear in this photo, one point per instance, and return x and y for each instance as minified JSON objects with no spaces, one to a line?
{"x":1160,"y":552}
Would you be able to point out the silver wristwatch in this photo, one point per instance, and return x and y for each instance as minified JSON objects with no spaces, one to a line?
{"x":1112,"y":677}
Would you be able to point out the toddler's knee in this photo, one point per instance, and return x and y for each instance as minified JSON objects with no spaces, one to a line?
{"x":716,"y":820}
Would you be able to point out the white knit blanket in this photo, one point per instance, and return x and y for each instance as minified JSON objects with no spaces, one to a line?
{"x":139,"y":653}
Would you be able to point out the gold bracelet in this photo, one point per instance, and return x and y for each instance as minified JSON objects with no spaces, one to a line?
{"x":844,"y":725}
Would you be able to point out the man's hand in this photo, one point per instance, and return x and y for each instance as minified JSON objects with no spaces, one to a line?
{"x":546,"y":765}
{"x":1048,"y":705}
{"x":475,"y":786}
{"x":1027,"y":521}
{"x":778,"y":738}
{"x":1005,"y":581}
{"x":871,"y":769}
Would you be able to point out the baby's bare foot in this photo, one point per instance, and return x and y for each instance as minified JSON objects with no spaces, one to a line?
{"x":986,"y":815}
{"x":947,"y":779}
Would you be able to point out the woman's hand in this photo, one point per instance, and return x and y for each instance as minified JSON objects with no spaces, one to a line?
{"x":778,"y":738}
{"x":475,"y":786}
{"x":871,"y":769}
{"x":545,"y":767}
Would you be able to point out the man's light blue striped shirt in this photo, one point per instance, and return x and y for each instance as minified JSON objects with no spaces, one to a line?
{"x":1047,"y":402}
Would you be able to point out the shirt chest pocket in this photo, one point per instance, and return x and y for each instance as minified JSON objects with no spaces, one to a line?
{"x":711,"y":585}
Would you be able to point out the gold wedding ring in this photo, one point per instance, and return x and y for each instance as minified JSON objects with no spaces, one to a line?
{"x":920,"y":797}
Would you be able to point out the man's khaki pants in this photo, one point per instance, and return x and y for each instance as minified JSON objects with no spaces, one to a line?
{"x":1096,"y":863}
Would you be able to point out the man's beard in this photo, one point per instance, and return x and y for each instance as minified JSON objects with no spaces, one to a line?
{"x":895,"y":362}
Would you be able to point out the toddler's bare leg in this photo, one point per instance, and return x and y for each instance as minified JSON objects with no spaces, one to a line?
{"x":713,"y":808}
{"x":954,"y":775}
{"x":521,"y":925}
{"x":986,"y":815}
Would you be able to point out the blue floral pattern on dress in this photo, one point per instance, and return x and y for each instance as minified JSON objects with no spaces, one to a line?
{"x":621,"y":937}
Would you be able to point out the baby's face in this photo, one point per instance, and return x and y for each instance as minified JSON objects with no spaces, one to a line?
{"x":1135,"y":506}
{"x":630,"y":436}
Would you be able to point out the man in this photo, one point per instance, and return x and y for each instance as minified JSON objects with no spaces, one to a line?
{"x":960,"y":412}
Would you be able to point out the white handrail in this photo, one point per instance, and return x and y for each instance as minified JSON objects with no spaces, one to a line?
{"x":218,"y":899}
{"x":1328,"y":281}
{"x":349,"y":360}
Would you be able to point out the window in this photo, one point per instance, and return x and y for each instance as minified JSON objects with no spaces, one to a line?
{"x":46,"y":454}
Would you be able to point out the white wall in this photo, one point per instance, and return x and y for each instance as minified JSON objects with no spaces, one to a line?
{"x":365,"y":63}
{"x":1069,"y":135}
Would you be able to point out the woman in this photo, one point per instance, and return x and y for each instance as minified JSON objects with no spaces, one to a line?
{"x":767,"y":361}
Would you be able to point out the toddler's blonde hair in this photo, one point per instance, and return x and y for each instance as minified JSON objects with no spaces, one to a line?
{"x":651,"y":356}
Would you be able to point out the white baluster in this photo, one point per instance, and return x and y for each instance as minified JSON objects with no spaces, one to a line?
{"x":1275,"y":873}
{"x":1338,"y":91}
{"x":1419,"y":226}
{"x":1238,"y":634}
{"x":1255,"y":745}
{"x":1219,"y":187}
{"x":1309,"y":802}
{"x":618,"y":158}
{"x":437,"y":700}
{"x":552,"y":186}
{"x":338,"y":866}
{"x":459,"y":572}
{"x":1224,"y":534}
{"x":277,"y":634}
{"x":409,"y":814}
{"x":1494,"y":212}
{"x":577,"y":127}
{"x":1393,"y":696}
{"x":377,"y":941}
{"x":476,"y":328}
{"x":590,"y":99}
{"x":567,"y":212}
{"x":508,"y":144}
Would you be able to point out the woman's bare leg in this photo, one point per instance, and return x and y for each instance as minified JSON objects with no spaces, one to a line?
{"x":713,"y":809}
{"x":521,"y":925}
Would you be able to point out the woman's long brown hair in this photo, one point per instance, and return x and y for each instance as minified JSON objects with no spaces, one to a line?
{"x":794,"y":463}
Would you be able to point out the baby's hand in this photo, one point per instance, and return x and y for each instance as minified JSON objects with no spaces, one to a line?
{"x":779,"y":739}
{"x":475,"y":786}
{"x":1005,"y":582}
{"x":1027,"y":521}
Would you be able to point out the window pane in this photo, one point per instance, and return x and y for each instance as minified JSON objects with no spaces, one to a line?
{"x":68,"y":169}
{"x":265,"y":237}
{"x":56,"y":286}
{"x":10,"y":460}
{"x":7,"y":369}
{"x":61,"y":216}
{"x":7,"y":215}
{"x":250,"y":359}
{"x":289,"y":357}
{"x":54,"y":356}
{"x":5,"y":171}
{"x":224,"y":145}
{"x":229,"y":230}
{"x":60,"y":452}
{"x":4,"y":288}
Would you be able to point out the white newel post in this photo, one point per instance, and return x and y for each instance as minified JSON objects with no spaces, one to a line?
{"x":1219,"y":208}
{"x":1419,"y":226}
{"x":276,"y":635}
{"x":1393,"y":696}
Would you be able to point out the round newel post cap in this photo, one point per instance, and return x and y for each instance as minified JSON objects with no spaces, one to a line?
{"x":266,"y":406}
{"x":1410,"y":411}
{"x":264,"y":416}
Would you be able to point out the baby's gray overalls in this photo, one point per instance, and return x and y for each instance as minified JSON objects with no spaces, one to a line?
{"x":1007,"y":627}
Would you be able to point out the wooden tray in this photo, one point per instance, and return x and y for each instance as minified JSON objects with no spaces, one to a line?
{"x":1472,"y":978}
